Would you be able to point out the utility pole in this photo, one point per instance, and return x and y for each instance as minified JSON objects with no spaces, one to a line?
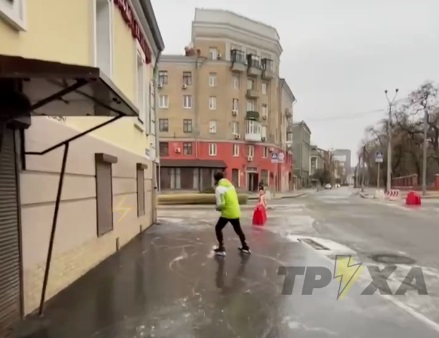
{"x":424,"y":151}
{"x":363,"y":169}
{"x":389,"y":140}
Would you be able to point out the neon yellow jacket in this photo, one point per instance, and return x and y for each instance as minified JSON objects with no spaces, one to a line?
{"x":227,"y":199}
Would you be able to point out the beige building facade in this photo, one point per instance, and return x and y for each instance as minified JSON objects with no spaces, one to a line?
{"x":220,"y":106}
{"x":77,"y":156}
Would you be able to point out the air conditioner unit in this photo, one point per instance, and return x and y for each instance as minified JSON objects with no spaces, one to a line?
{"x":236,"y":136}
{"x":184,"y":86}
{"x":160,"y":85}
{"x":250,"y":158}
{"x":264,"y":117}
{"x":177,"y":150}
{"x":234,"y":112}
{"x":263,"y":139}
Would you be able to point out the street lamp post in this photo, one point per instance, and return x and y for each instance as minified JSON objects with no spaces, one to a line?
{"x":389,"y":140}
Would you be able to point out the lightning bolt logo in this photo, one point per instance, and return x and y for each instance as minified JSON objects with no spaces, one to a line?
{"x":122,"y":209}
{"x":347,"y":272}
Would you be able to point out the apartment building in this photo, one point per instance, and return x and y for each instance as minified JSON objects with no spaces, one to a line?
{"x":77,"y":113}
{"x":286,"y":102}
{"x":301,"y":151}
{"x":219,"y":106}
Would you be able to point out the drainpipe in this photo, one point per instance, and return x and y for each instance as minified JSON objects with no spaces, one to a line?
{"x":198,"y":65}
{"x":157,"y":142}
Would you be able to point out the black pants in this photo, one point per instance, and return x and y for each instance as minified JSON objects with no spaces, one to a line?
{"x":222,"y":222}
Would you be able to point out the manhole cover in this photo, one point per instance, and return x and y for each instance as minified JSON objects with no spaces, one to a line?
{"x":392,"y":259}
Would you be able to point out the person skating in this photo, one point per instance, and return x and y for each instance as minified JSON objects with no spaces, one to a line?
{"x":227,"y":203}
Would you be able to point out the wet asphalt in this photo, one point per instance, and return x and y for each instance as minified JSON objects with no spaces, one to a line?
{"x":167,"y":283}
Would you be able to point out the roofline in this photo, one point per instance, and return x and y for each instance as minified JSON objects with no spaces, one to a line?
{"x":302,"y":123}
{"x":287,"y":87}
{"x":148,"y":10}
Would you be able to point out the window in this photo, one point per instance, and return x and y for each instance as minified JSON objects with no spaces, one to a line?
{"x":264,"y":110}
{"x":235,"y":127}
{"x":163,"y":101}
{"x":253,"y":127}
{"x":212,"y":127}
{"x":251,"y":150}
{"x":175,"y":174}
{"x":250,"y":84}
{"x":164,"y":149}
{"x":289,"y":137}
{"x":236,"y":82}
{"x":163,"y":125}
{"x":104,"y":36}
{"x":235,"y":177}
{"x":187,"y":78}
{"x":212,"y":80}
{"x":141,"y":188}
{"x":187,"y":126}
{"x":141,"y":86}
{"x":187,"y":101}
{"x":264,"y":88}
{"x":187,"y":148}
{"x":104,"y":192}
{"x":251,"y":105}
{"x":235,"y":105}
{"x":212,"y":149}
{"x":236,"y":150}
{"x":213,"y":53}
{"x":264,"y":132}
{"x":163,"y":78}
{"x":264,"y":152}
{"x":212,"y":103}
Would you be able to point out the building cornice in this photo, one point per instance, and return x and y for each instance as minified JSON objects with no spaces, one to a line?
{"x":234,"y":33}
{"x":148,"y":11}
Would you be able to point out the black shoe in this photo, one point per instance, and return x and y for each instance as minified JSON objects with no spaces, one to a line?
{"x":245,"y":250}
{"x":220,"y":251}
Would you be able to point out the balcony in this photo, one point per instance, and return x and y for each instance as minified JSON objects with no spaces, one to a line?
{"x":254,"y":65}
{"x":253,"y":131}
{"x":239,"y":62}
{"x":288,"y":113}
{"x":267,"y":69}
{"x":252,"y":115}
{"x":252,"y":94}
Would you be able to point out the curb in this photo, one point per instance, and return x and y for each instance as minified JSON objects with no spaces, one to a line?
{"x":278,"y":198}
{"x":198,"y":206}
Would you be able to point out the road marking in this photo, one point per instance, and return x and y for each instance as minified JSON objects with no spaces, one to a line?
{"x":337,"y":248}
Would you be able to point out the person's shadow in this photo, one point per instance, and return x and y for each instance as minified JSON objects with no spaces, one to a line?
{"x":234,"y":285}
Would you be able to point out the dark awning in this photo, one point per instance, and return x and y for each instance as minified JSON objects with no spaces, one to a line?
{"x":66,"y":89}
{"x":218,"y":164}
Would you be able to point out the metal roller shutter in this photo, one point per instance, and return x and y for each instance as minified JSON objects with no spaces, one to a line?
{"x":104,"y":197}
{"x":10,"y":283}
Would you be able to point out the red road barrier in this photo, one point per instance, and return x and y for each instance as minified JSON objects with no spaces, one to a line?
{"x":413,"y":198}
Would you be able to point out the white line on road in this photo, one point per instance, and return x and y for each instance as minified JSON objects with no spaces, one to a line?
{"x":338,"y":248}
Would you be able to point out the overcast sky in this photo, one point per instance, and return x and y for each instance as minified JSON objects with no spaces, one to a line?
{"x":339,"y":55}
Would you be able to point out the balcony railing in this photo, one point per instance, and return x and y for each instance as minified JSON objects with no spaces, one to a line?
{"x":253,"y":131}
{"x":254,"y":65}
{"x":252,"y":115}
{"x":267,"y":69}
{"x":239,"y":62}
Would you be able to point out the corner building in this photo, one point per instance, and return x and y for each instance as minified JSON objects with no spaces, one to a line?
{"x":221,"y":107}
{"x":77,"y":176}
